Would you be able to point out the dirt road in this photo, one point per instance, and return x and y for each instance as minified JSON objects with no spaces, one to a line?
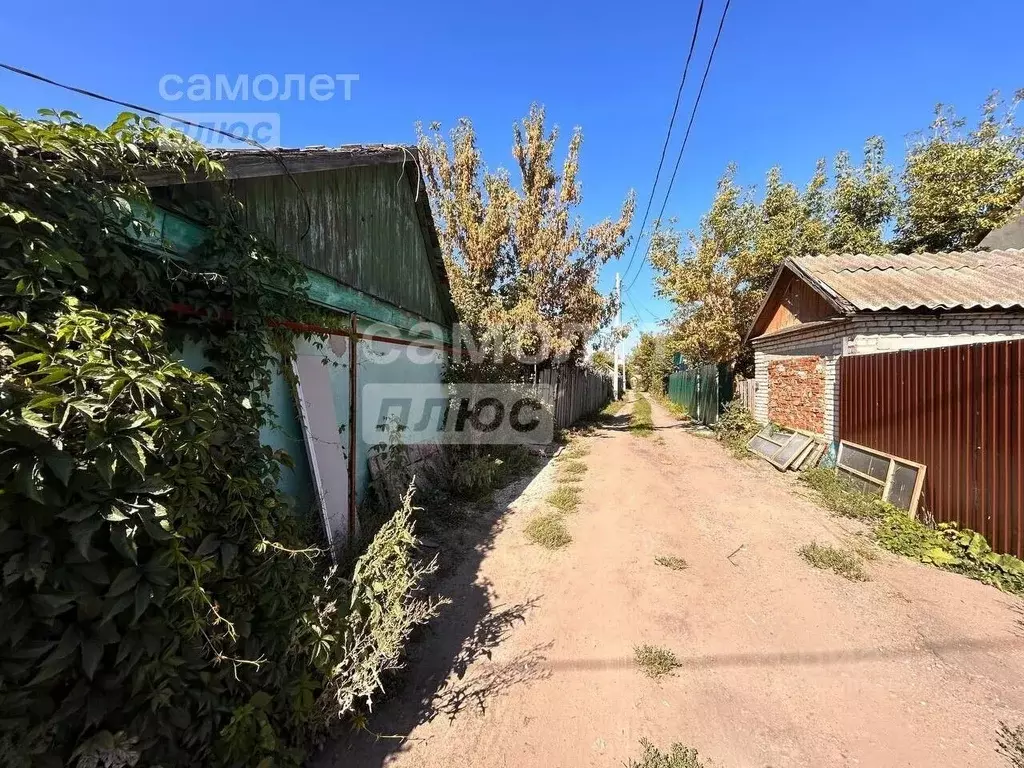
{"x":783,"y":665}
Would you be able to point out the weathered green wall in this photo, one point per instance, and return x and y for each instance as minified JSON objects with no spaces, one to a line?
{"x":364,"y":231}
{"x":281,"y":431}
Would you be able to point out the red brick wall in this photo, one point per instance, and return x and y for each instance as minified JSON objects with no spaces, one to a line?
{"x":796,"y":393}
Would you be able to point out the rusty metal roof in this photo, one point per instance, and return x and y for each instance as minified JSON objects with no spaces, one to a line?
{"x":967,"y":280}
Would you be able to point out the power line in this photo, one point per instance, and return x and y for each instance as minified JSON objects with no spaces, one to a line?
{"x":668,"y":134}
{"x":686,"y":136}
{"x":154,"y":113}
{"x":636,"y":309}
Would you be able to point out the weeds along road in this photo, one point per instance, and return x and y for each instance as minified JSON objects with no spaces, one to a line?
{"x":779,"y":664}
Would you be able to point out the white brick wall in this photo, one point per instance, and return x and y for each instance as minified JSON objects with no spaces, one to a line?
{"x":893,"y":332}
{"x":871,"y":334}
{"x":761,"y":383}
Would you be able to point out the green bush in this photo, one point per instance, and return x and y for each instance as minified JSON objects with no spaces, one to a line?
{"x":678,"y":756}
{"x":952,"y":548}
{"x":477,"y":473}
{"x":946,"y":545}
{"x":161,"y":604}
{"x":735,"y":427}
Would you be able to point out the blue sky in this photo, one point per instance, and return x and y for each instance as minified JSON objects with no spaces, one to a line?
{"x":791,"y":81}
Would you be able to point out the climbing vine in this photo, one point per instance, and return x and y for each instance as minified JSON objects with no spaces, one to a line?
{"x":161,"y":603}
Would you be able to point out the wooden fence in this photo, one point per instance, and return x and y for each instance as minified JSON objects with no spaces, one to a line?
{"x":577,"y":392}
{"x":745,"y":392}
{"x":957,"y":410}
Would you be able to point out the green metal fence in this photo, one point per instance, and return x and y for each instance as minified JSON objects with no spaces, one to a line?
{"x":702,"y":392}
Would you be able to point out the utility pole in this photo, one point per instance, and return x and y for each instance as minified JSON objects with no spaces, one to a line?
{"x":617,"y":340}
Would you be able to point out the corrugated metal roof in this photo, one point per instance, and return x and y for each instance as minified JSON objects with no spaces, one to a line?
{"x":972,"y":279}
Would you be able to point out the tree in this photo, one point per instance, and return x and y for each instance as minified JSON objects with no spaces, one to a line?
{"x":602,"y":360}
{"x":650,"y":361}
{"x":959,"y":185}
{"x":862,"y":201}
{"x":787,"y":223}
{"x":709,"y":280}
{"x":520,"y":262}
{"x":956,"y":187}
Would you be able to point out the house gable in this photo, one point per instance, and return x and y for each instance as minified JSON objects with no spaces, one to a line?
{"x":790,"y":302}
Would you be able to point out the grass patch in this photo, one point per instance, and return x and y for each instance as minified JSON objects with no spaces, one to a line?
{"x":575,"y":451}
{"x":613,"y":408}
{"x":830,"y":558}
{"x":640,"y":421}
{"x":677,"y":756}
{"x":840,"y":497}
{"x":671,"y":561}
{"x":734,"y":429}
{"x":564,"y":498}
{"x":672,"y":407}
{"x":607,"y":414}
{"x":945,"y":546}
{"x":654,"y":661}
{"x":548,"y":530}
{"x":573,"y":467}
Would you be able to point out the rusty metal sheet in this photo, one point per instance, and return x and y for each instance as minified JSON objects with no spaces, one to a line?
{"x":960,"y":412}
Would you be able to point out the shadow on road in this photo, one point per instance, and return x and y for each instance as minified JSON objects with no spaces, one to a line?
{"x":440,"y":678}
{"x":709,"y":662}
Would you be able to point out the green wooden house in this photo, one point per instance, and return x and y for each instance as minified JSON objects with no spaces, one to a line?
{"x":358,"y":219}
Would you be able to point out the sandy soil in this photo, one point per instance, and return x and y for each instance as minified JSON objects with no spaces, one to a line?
{"x":783,"y":665}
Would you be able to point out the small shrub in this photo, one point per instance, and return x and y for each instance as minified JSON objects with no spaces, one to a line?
{"x":640,"y":421}
{"x":573,"y":468}
{"x":565,"y":498}
{"x":549,"y":531}
{"x":840,"y":497}
{"x":654,"y":661}
{"x":1010,"y":744}
{"x":477,"y":475}
{"x":671,"y":561}
{"x":839,"y":561}
{"x":735,"y":427}
{"x":678,"y":756}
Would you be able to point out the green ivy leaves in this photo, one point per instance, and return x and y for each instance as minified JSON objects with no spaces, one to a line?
{"x":950,"y":547}
{"x":160,"y":603}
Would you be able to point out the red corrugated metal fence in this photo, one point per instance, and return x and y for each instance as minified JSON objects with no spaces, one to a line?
{"x":958,"y":410}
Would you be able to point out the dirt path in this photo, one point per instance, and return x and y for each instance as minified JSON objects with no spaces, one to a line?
{"x":783,"y":665}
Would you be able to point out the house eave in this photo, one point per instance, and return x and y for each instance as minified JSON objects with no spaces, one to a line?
{"x":797,"y":330}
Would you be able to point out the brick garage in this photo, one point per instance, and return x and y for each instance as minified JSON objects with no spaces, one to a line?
{"x":821,"y":308}
{"x":796,"y":393}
